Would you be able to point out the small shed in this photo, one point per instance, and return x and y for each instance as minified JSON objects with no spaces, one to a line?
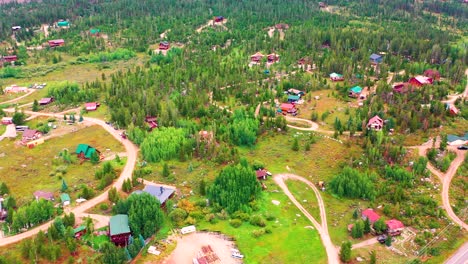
{"x":43,"y":195}
{"x":63,"y":24}
{"x":65,"y":198}
{"x":119,"y":230}
{"x":293,"y":98}
{"x":375,"y":58}
{"x":79,"y":231}
{"x":84,"y":151}
{"x":335,"y":77}
{"x":46,"y":101}
{"x":355,"y":91}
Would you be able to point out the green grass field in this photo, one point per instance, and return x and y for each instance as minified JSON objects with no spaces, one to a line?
{"x":2,"y":129}
{"x":289,"y":242}
{"x":306,"y":197}
{"x":29,"y":169}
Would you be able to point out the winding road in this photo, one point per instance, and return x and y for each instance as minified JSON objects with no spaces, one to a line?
{"x":80,"y":210}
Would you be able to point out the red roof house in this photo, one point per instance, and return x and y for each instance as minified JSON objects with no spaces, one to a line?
{"x":375,"y":123}
{"x":56,"y":43}
{"x":420,"y":80}
{"x":433,"y":74}
{"x":261,"y":174}
{"x":282,"y":26}
{"x":453,"y":109}
{"x":371,"y":215}
{"x":46,"y":101}
{"x":91,"y":106}
{"x":152,"y":122}
{"x":44,"y":195}
{"x":7,"y":120}
{"x":256,"y":58}
{"x":400,"y":87}
{"x":15,"y":89}
{"x":288,"y":108}
{"x":31,"y":134}
{"x":218,"y":19}
{"x":10,"y":58}
{"x":394,"y":227}
{"x":272,"y":58}
{"x":164,"y":45}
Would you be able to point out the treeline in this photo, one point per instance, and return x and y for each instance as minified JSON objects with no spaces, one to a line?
{"x":66,"y":93}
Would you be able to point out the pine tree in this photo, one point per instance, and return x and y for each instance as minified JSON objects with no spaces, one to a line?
{"x":166,"y":172}
{"x":358,"y":230}
{"x":64,"y":186}
{"x":64,"y":117}
{"x":367,"y":226}
{"x":202,"y":187}
{"x":345,"y":251}
{"x":94,"y":158}
{"x":35,"y":106}
{"x":295,"y":146}
{"x":81,"y":118}
{"x":388,"y":241}
{"x":373,"y":257}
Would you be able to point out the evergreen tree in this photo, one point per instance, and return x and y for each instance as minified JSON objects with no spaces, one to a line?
{"x":4,"y":189}
{"x":18,"y":118}
{"x":94,"y":158}
{"x":373,"y":257}
{"x":388,"y":241}
{"x":202,"y":187}
{"x":113,"y":195}
{"x":165,"y":171}
{"x":35,"y":106}
{"x":345,"y":251}
{"x":295,"y":146}
{"x":380,"y":226}
{"x":64,"y":186}
{"x":443,"y":142}
{"x":358,"y":230}
{"x":367,"y":226}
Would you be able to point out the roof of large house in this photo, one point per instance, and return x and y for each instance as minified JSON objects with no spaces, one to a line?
{"x":394,"y":224}
{"x":286,"y":105}
{"x":87,"y":150}
{"x":422,"y":79}
{"x":371,"y":215}
{"x":294,"y":97}
{"x":45,"y":100}
{"x":452,"y":138}
{"x":162,"y":193}
{"x":44,"y":194}
{"x":335,"y":75}
{"x":375,"y":119}
{"x":356,"y":89}
{"x":374,"y":56}
{"x":29,"y":133}
{"x":118,"y":224}
{"x":93,"y":104}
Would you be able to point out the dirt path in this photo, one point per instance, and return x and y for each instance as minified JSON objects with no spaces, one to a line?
{"x":322,"y":228}
{"x":80,"y":210}
{"x":446,"y":178}
{"x":19,"y":98}
{"x":45,"y":28}
{"x":452,"y":98}
{"x":365,"y":243}
{"x":10,"y":132}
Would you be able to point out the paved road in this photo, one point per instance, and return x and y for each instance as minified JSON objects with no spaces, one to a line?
{"x":460,"y":257}
{"x":322,"y":228}
{"x":80,"y":210}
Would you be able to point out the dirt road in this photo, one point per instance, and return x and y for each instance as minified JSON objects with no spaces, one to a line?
{"x":322,"y":228}
{"x":79,"y":211}
{"x":446,"y":178}
{"x":19,"y":98}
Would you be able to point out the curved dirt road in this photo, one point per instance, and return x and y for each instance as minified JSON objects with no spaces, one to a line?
{"x":19,"y":98}
{"x":446,"y":178}
{"x":322,"y":228}
{"x":79,"y":211}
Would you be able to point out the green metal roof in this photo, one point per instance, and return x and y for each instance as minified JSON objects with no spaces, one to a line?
{"x":95,"y":31}
{"x":118,"y":224}
{"x":65,"y":197}
{"x":79,"y":229}
{"x":86,"y":149}
{"x":294,"y":97}
{"x":63,"y":23}
{"x":356,"y":89}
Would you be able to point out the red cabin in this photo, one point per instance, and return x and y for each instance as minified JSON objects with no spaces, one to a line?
{"x":219,"y":19}
{"x":119,"y":230}
{"x":10,"y":58}
{"x":152,"y":122}
{"x":272,"y":58}
{"x":420,"y":80}
{"x":256,"y":58}
{"x":164,"y":45}
{"x":56,"y":43}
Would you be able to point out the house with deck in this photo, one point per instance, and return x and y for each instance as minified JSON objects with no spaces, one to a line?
{"x":394,"y":227}
{"x":287,"y":108}
{"x":119,"y":230}
{"x":375,"y":58}
{"x":336,"y":77}
{"x":273,"y":58}
{"x":371,"y":215}
{"x":256,"y":58}
{"x":43,"y":195}
{"x":420,"y":81}
{"x":162,"y":193}
{"x":164,"y":45}
{"x":355,"y":92}
{"x":84,"y":151}
{"x":375,"y":123}
{"x":31,"y":134}
{"x":46,"y":101}
{"x":56,"y":43}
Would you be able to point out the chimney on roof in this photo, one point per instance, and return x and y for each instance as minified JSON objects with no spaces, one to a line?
{"x":161,"y":189}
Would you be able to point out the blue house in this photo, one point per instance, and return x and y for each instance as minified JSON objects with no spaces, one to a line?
{"x":355,"y":91}
{"x":375,"y":58}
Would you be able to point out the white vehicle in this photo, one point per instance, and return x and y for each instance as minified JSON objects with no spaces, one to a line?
{"x":236,"y":254}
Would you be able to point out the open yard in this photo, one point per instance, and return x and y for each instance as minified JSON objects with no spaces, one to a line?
{"x":291,"y":240}
{"x":30,"y":169}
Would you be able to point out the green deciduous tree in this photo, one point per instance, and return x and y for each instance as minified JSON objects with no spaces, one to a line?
{"x":345,"y":251}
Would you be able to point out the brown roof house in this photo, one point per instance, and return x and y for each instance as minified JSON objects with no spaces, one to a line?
{"x":43,"y":195}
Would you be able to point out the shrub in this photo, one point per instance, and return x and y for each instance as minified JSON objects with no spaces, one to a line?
{"x":269,"y":217}
{"x":257,"y":220}
{"x":258,"y":233}
{"x":235,"y":223}
{"x":104,"y":207}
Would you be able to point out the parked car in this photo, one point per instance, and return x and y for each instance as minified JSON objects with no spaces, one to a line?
{"x":382,"y":238}
{"x":463,"y":147}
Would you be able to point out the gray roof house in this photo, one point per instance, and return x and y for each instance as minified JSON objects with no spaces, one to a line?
{"x":162,"y":193}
